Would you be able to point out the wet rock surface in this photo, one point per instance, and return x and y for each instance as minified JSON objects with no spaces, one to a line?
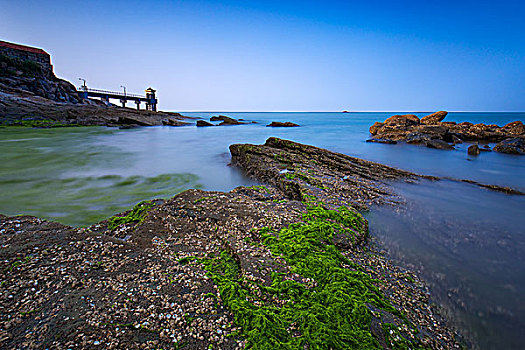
{"x":203,"y":123}
{"x":300,"y":170}
{"x":473,"y":150}
{"x":511,"y":146}
{"x":138,"y":284}
{"x":433,"y":132}
{"x":386,"y":141}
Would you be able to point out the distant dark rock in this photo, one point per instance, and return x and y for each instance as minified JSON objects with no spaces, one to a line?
{"x":173,"y":122}
{"x":473,"y":150}
{"x":282,"y":124}
{"x":405,"y":119}
{"x":203,"y":123}
{"x":439,"y":144}
{"x":226,"y":120}
{"x":434,"y":118}
{"x":385,"y":141}
{"x":511,"y":146}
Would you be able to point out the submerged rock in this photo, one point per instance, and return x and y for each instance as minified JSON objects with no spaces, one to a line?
{"x":439,"y":144}
{"x":385,"y":141}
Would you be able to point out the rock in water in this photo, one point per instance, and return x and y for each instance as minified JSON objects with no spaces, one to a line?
{"x":374,"y":128}
{"x":386,"y":141}
{"x":516,"y":127}
{"x":511,"y":146}
{"x":434,"y":118}
{"x":203,"y":123}
{"x":282,"y":124}
{"x":418,"y":137}
{"x":226,"y":120}
{"x":456,"y":139}
{"x":473,"y":150}
{"x":439,"y":144}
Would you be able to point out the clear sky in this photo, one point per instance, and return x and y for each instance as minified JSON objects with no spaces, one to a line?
{"x":286,"y":55}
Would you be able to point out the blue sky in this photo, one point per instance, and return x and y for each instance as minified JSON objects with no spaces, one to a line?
{"x":286,"y":55}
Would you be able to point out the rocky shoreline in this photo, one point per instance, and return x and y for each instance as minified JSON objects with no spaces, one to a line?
{"x":19,"y":105}
{"x":433,"y":132}
{"x":259,"y":266}
{"x":27,"y":93}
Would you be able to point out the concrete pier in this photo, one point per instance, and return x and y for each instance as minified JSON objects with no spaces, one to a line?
{"x":150,"y":99}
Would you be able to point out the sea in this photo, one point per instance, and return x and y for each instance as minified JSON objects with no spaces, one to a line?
{"x":466,"y":242}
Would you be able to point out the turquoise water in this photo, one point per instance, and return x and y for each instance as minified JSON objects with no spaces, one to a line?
{"x":469,"y":243}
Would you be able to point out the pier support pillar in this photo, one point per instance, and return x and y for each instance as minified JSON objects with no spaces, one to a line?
{"x":137,"y":102}
{"x":123,"y":101}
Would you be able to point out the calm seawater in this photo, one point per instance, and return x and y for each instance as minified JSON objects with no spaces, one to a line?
{"x":467,"y":242}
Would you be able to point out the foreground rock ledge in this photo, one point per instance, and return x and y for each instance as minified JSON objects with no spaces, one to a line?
{"x":138,"y":285}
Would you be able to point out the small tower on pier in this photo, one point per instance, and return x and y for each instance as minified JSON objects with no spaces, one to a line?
{"x":151,"y":104}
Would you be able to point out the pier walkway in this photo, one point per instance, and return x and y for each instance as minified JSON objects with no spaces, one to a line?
{"x":150,"y":98}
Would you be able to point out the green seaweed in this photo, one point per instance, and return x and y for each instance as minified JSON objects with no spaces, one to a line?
{"x":18,"y":262}
{"x":260,"y":189}
{"x":203,"y":199}
{"x":37,"y":123}
{"x":331,"y":311}
{"x":136,"y":215}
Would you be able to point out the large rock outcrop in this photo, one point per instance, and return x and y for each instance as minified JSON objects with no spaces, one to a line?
{"x":433,"y":132}
{"x":300,"y":170}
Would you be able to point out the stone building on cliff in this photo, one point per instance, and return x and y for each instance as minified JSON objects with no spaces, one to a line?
{"x":27,"y":53}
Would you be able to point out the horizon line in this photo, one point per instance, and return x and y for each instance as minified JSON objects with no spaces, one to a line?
{"x":363,"y":111}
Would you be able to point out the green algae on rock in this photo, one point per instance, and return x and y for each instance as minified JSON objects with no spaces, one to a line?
{"x":136,"y":215}
{"x":323,"y":302}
